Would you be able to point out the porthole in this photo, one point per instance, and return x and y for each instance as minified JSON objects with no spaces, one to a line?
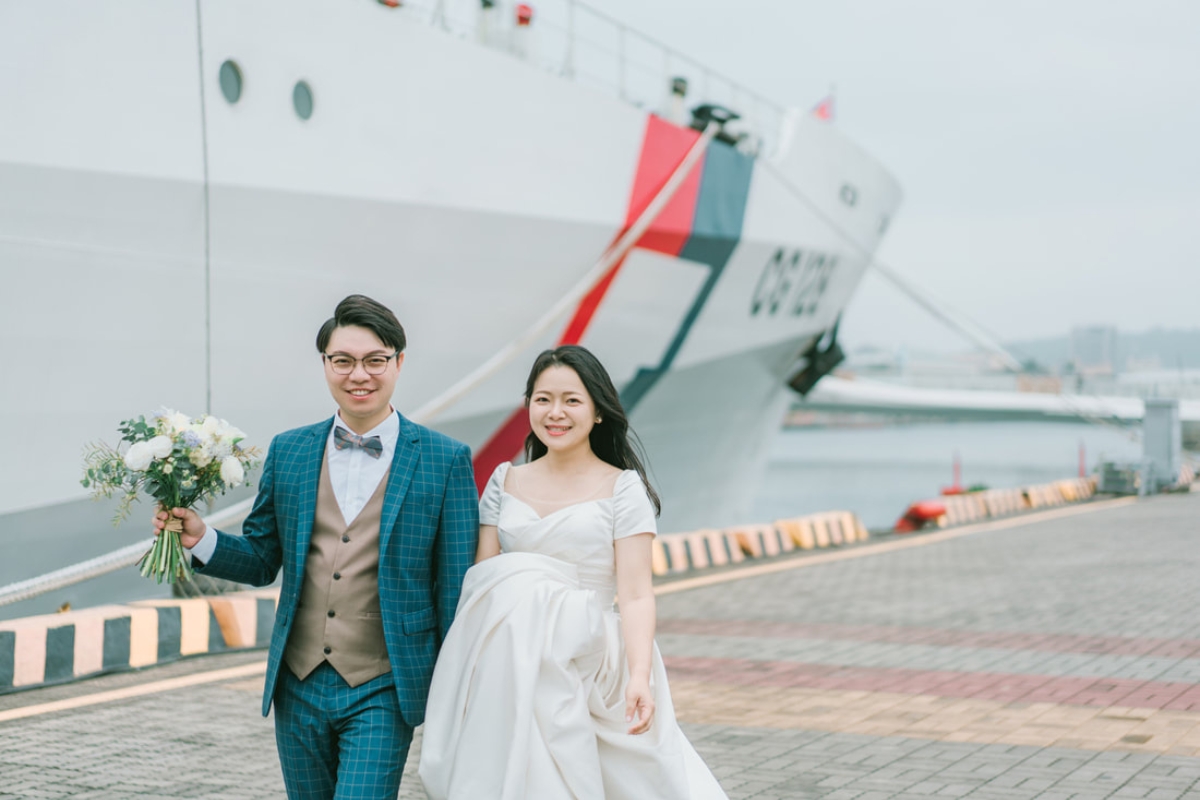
{"x":302,"y":99}
{"x":230,"y":78}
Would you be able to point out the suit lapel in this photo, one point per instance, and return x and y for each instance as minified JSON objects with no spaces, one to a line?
{"x":404,"y":462}
{"x":308,"y":462}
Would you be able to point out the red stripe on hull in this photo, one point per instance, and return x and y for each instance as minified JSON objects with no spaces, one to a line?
{"x":663,"y":150}
{"x":505,"y":443}
{"x":577,"y":327}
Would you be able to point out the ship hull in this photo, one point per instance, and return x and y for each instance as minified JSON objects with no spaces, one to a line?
{"x":163,"y":246}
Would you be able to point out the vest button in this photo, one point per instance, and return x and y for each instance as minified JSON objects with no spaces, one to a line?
{"x":345,"y":538}
{"x":337,"y":576}
{"x":328,"y":650}
{"x":331,"y":612}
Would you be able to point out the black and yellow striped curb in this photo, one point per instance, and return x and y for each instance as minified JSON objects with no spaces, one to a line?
{"x":993,"y":503}
{"x":55,"y":648}
{"x":674,"y":553}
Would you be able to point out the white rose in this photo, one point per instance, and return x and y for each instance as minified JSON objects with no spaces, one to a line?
{"x":200,"y":457}
{"x":232,"y":472}
{"x":179,"y":422}
{"x":211,"y":427}
{"x":138,"y":457}
{"x":160,"y":446}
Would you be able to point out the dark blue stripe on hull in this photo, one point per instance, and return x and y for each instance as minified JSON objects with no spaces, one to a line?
{"x":716,"y":231}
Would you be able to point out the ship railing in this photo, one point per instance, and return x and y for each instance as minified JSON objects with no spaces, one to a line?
{"x":574,"y":40}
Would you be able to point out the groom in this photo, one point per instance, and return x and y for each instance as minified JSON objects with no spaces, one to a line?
{"x":373,"y":520}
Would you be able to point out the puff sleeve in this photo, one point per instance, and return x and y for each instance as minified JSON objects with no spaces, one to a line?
{"x":633,"y":513}
{"x":489,"y":503}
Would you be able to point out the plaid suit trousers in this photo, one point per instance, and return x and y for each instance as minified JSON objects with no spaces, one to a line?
{"x":337,"y":742}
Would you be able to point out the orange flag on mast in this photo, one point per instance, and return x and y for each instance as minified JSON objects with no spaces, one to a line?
{"x":824,"y":109}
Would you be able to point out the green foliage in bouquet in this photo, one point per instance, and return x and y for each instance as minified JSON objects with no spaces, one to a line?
{"x":180,"y":462}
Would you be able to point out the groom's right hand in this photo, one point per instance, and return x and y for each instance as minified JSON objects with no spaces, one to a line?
{"x":193,"y":527}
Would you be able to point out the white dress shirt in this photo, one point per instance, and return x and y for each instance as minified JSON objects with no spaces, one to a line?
{"x":353,"y":473}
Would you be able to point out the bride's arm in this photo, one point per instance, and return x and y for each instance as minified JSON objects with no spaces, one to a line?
{"x":635,"y":594}
{"x":489,"y":543}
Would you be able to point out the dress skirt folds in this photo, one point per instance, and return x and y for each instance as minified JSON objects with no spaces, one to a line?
{"x":528,"y":698}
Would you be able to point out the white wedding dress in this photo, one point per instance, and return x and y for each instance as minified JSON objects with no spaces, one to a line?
{"x":528,"y":697}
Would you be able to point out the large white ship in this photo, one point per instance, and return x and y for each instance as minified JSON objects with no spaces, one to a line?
{"x":189,"y":186}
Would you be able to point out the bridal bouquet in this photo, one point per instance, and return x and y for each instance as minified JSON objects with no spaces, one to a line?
{"x":177,"y":460}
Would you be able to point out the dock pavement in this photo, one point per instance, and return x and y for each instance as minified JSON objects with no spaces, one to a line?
{"x":1054,"y":655}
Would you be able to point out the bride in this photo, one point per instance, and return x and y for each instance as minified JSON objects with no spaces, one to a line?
{"x":541,"y":689}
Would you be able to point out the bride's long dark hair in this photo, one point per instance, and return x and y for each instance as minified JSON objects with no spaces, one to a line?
{"x":611,"y":439}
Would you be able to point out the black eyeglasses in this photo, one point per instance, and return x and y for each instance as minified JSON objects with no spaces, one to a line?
{"x":343,"y":364}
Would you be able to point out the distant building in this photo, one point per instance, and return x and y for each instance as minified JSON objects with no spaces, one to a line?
{"x":1046,"y":384}
{"x":1094,"y":350}
{"x":1148,"y":363}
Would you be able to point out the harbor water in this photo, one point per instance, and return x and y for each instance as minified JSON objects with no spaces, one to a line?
{"x":877,"y":471}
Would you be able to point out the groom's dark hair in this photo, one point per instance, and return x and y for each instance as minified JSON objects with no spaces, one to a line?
{"x":360,"y":310}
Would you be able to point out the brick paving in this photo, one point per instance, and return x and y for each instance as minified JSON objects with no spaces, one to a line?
{"x":927,"y":657}
{"x":1092,"y":692}
{"x":896,"y":634}
{"x":1056,"y":660}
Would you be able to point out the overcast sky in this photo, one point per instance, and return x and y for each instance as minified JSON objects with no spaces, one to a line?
{"x":1048,"y":150}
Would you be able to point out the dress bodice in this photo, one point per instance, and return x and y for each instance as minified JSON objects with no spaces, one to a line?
{"x":581,"y":534}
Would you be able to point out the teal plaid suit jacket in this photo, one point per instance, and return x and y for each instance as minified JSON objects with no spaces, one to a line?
{"x":427,"y":537}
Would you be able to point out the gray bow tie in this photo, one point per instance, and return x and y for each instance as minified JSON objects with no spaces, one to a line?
{"x":343,"y":439}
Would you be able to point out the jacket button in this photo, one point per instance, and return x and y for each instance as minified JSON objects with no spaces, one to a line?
{"x":331,"y":612}
{"x":345,"y":538}
{"x":337,"y":576}
{"x":328,"y":650}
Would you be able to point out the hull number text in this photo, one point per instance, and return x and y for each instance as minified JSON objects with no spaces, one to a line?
{"x":792,"y":283}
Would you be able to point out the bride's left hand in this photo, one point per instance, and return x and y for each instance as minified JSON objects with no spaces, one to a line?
{"x":639,"y":700}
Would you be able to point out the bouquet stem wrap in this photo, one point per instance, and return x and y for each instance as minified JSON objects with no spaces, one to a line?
{"x":166,"y":558}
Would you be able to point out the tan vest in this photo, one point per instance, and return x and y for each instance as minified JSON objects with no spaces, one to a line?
{"x":338,"y":619}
